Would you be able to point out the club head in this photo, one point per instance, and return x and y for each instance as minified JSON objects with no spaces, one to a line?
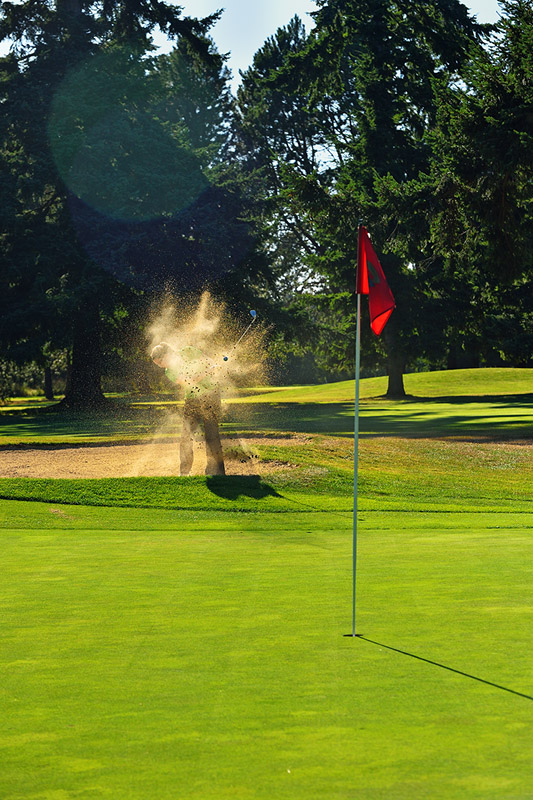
{"x":253,"y":314}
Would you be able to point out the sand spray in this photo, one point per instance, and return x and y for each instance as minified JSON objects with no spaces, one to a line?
{"x":205,"y":323}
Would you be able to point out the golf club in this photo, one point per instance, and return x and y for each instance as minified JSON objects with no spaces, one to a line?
{"x":253,"y":314}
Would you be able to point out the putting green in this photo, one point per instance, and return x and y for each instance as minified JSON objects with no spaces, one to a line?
{"x":209,"y":661}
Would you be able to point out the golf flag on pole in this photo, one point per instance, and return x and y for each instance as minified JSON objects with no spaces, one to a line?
{"x":371,"y":281}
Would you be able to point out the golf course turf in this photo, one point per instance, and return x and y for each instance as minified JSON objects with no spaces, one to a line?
{"x":185,"y":638}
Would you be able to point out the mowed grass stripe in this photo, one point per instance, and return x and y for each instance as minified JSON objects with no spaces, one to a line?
{"x":34,"y":515}
{"x":158,"y":494}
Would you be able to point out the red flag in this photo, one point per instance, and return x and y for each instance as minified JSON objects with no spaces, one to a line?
{"x":371,"y":281}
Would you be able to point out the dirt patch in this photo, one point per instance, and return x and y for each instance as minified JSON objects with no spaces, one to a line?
{"x":131,"y":460}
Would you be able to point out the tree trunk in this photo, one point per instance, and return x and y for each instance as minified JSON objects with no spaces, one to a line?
{"x":395,"y":369}
{"x":84,"y":387}
{"x":48,"y":387}
{"x":451,"y":361}
{"x":395,"y":362}
{"x":68,"y":376}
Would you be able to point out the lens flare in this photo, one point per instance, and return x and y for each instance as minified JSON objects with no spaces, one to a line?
{"x":115,"y":150}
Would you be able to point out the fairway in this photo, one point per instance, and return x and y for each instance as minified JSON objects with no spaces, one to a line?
{"x":186,"y":638}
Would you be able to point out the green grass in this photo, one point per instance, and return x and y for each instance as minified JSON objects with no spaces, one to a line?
{"x":458,"y":403}
{"x":47,"y":424}
{"x":208,"y":661}
{"x":395,"y":474}
{"x":156,"y":646}
{"x":469,"y":383}
{"x":461,"y":402}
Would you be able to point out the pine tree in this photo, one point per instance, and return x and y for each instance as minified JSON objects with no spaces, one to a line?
{"x":482,"y":188}
{"x":55,"y":156}
{"x":365,"y":79}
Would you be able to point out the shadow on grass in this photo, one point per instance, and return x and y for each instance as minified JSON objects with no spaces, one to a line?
{"x":231,"y":487}
{"x":497,"y":416}
{"x":52,"y":421}
{"x":504,"y":417}
{"x":504,"y":400}
{"x":443,"y":666}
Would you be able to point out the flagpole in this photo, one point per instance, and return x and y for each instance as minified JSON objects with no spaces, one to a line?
{"x":381,"y":305}
{"x":356,"y":427}
{"x":356,"y":453}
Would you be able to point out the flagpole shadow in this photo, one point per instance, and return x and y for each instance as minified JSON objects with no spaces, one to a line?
{"x":442,"y":666}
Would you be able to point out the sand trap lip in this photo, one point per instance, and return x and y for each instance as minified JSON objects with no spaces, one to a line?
{"x":149,"y":459}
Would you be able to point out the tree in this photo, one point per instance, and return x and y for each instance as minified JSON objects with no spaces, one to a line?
{"x":276,"y":135}
{"x":52,"y":172}
{"x":364,"y":80}
{"x":481,"y":181}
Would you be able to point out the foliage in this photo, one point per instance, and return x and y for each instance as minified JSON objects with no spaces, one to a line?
{"x":18,"y":380}
{"x":480,"y":217}
{"x":334,"y":119}
{"x":127,"y":174}
{"x":116,"y":179}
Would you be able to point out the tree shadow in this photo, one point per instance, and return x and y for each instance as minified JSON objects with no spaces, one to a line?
{"x":442,"y":666}
{"x":232,"y":487}
{"x":118,"y":420}
{"x":505,"y":400}
{"x":414,"y":417}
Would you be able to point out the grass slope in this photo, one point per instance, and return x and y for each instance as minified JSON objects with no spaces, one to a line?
{"x":394,"y":474}
{"x":441,"y":383}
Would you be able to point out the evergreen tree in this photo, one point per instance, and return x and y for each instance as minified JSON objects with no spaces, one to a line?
{"x":57,"y":154}
{"x":364,"y":81}
{"x":482,"y":186}
{"x":279,"y":138}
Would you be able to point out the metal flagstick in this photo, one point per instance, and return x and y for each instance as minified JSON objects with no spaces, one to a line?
{"x":356,"y":449}
{"x":383,"y":307}
{"x":356,"y":429}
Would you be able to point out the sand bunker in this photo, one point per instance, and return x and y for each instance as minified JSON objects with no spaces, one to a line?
{"x":130,"y":460}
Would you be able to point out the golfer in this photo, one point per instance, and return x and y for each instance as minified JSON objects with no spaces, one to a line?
{"x":193,"y":370}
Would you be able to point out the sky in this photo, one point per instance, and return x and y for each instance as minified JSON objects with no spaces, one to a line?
{"x":245,"y":24}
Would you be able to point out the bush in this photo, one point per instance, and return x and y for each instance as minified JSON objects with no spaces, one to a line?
{"x":27,"y":380}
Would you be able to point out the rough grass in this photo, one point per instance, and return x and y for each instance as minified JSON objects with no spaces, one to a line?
{"x":394,"y":473}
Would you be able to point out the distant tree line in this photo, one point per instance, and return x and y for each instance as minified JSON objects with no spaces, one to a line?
{"x":128,"y":174}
